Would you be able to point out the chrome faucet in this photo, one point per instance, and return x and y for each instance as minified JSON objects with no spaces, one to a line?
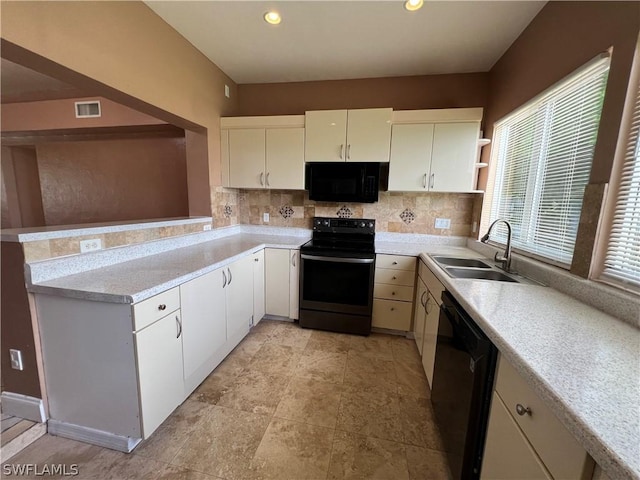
{"x":505,"y":259}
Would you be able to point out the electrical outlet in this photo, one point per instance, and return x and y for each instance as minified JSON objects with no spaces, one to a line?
{"x":444,"y":223}
{"x":265,"y":217}
{"x":206,"y":227}
{"x":226,"y":91}
{"x":90,"y":245}
{"x":16,"y":359}
{"x":474,"y":227}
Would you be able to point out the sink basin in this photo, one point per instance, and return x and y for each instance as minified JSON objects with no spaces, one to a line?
{"x":479,"y":274}
{"x":460,"y":262}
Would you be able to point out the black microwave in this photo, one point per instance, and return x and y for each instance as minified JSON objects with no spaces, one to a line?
{"x":343,"y":182}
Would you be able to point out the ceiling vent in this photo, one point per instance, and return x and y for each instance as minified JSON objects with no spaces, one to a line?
{"x":88,"y":109}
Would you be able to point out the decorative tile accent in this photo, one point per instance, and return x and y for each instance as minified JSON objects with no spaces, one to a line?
{"x":228,"y":211}
{"x":344,"y":212}
{"x":407,"y":216}
{"x":286,"y":211}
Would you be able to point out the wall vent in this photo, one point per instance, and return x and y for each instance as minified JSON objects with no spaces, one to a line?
{"x":88,"y":109}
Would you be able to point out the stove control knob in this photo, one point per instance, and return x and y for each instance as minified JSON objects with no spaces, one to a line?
{"x":325,"y":223}
{"x":370,"y":225}
{"x":362,"y":224}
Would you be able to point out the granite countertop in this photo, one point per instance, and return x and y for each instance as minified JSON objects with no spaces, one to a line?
{"x":581,"y":361}
{"x":136,"y":280}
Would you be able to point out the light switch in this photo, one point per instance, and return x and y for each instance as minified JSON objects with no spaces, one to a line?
{"x":16,"y":359}
{"x":265,"y":217}
{"x":443,"y":223}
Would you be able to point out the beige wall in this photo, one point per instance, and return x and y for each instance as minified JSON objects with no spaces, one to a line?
{"x":562,"y":37}
{"x":112,"y":180}
{"x":60,"y":114}
{"x":400,"y":93}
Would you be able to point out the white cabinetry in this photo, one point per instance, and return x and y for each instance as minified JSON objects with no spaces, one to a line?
{"x":239,"y":298}
{"x":348,"y":135}
{"x":159,"y":356}
{"x":281,"y":275}
{"x":434,"y":150}
{"x":523,"y":430}
{"x":393,"y":292}
{"x":420,"y":314}
{"x":263,"y":152}
{"x":258,"y":287}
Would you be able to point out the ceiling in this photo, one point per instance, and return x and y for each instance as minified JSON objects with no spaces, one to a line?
{"x":329,"y":40}
{"x":21,"y":84}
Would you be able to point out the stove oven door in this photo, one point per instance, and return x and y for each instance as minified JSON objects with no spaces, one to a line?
{"x":337,"y":284}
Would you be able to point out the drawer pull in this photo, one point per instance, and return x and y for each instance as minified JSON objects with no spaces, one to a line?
{"x":394,"y":278}
{"x":393,"y":293}
{"x":393,"y":309}
{"x":395,"y":263}
{"x":162,"y":306}
{"x":520,"y":410}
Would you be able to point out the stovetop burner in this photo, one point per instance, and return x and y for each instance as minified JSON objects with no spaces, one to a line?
{"x":342,"y":237}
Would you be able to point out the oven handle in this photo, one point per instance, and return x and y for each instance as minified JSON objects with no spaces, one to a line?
{"x":337,"y":259}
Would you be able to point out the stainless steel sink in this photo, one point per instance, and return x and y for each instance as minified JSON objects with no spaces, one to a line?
{"x":460,"y":262}
{"x":479,"y":274}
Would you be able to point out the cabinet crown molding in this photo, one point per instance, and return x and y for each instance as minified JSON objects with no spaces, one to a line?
{"x":268,"y":121}
{"x":440,"y":115}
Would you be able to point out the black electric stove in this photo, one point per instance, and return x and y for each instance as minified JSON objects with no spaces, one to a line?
{"x":336,"y":275}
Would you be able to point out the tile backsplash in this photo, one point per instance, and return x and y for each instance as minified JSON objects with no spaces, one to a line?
{"x":394,"y":212}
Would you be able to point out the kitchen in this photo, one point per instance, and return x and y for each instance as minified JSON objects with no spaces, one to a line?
{"x":509,"y":71}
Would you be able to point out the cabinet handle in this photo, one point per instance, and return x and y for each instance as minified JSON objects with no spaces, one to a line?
{"x":162,"y":306}
{"x":255,"y":260}
{"x":394,"y":278}
{"x":522,"y":411}
{"x":433,"y":177}
{"x":393,"y":293}
{"x":424,"y":181}
{"x":262,"y":178}
{"x":268,"y":179}
{"x":393,"y":309}
{"x":394,"y":263}
{"x":230,"y":277}
{"x":349,"y":152}
{"x":422,"y":302}
{"x":179,"y":326}
{"x":341,"y":150}
{"x":224,"y":279}
{"x":293,"y":259}
{"x":426,"y":305}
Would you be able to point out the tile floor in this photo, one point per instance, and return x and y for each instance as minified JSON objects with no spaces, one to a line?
{"x":287,"y":403}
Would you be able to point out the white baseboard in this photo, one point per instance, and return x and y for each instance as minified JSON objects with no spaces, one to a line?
{"x":23,"y":406}
{"x":93,"y":436}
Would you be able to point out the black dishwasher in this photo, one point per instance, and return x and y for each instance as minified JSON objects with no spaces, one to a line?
{"x":463,"y":375}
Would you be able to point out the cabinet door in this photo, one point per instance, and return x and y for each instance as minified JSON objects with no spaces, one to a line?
{"x":325,"y":136}
{"x":455,"y":150}
{"x":285,"y":158}
{"x":239,"y":292}
{"x":277,"y":273}
{"x":430,"y":336}
{"x":410,"y":157}
{"x":159,"y":352}
{"x":294,"y":276}
{"x":247,"y":157}
{"x":258,"y":287}
{"x":224,"y":156}
{"x":419,"y":314}
{"x":507,"y":453}
{"x":202,"y":302}
{"x":369,"y":135}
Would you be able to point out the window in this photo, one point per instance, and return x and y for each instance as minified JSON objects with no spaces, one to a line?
{"x":541,"y":161}
{"x":621,"y":264}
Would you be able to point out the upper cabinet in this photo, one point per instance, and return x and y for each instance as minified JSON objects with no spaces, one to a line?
{"x":263,"y":152}
{"x":348,"y":135}
{"x":435,"y":150}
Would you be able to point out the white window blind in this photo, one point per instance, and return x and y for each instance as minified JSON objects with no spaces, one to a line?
{"x":622,"y":260}
{"x":542,"y":154}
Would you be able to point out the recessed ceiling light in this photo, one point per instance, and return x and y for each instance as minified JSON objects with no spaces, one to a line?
{"x":274,"y":18}
{"x":413,"y":5}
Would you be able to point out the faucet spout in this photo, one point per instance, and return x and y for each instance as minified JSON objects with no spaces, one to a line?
{"x":505,"y":259}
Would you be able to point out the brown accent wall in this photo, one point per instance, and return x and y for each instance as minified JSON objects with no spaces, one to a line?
{"x":22,"y":203}
{"x":103,"y":181}
{"x":16,"y":328}
{"x":400,"y":93}
{"x":60,"y":114}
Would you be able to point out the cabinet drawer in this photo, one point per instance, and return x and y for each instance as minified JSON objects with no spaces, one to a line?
{"x":396,"y":262}
{"x":154,"y":308}
{"x":558,"y":449}
{"x":395,"y":277}
{"x":393,"y":292}
{"x":390,"y":314}
{"x":433,"y":284}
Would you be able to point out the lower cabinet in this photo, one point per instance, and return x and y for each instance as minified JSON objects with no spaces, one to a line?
{"x":159,"y":355}
{"x":525,"y":439}
{"x":393,"y":292}
{"x":281,"y":278}
{"x":239,"y":298}
{"x":430,"y":335}
{"x":419,"y":313}
{"x":258,"y":287}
